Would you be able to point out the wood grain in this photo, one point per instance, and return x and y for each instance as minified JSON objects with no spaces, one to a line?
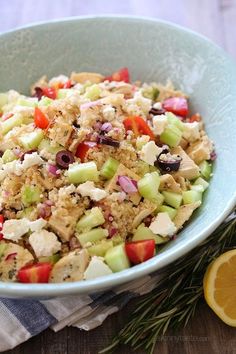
{"x":216,"y":19}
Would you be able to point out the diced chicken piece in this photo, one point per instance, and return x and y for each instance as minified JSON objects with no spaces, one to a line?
{"x":83,"y":77}
{"x":182,"y":182}
{"x":183,"y":143}
{"x":123,"y":171}
{"x":123,"y":88}
{"x":200,"y":150}
{"x":184,"y":213}
{"x":188,"y":168}
{"x":13,"y":258}
{"x":142,"y":215}
{"x":63,"y":221}
{"x":61,"y":133}
{"x":168,"y":183}
{"x":70,"y":267}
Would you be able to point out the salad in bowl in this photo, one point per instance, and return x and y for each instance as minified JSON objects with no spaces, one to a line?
{"x":97,"y":173}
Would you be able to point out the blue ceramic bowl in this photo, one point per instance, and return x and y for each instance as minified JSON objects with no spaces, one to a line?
{"x":154,"y":51}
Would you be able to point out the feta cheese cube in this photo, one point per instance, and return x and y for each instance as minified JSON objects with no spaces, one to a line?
{"x":141,"y":141}
{"x":44,"y":243}
{"x":157,"y":105}
{"x":191,"y":131}
{"x":31,"y":160}
{"x":109,"y":112}
{"x":14,"y":229}
{"x":37,"y":225}
{"x":149,"y":153}
{"x":162,"y":225}
{"x":96,"y":268}
{"x":88,"y":189}
{"x":159,"y":124}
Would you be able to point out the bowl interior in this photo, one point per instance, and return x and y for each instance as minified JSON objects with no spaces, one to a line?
{"x":153,"y":51}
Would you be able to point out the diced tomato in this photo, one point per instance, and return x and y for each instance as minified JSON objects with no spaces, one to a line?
{"x":176,"y":105}
{"x":140,"y":251}
{"x":35,"y":273}
{"x":67,"y":84}
{"x":195,"y":118}
{"x":50,"y":92}
{"x":1,"y":221}
{"x":138,"y":126}
{"x":40,"y":120}
{"x":83,"y":148}
{"x":1,"y":224}
{"x":121,"y":75}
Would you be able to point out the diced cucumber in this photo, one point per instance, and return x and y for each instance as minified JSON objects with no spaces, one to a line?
{"x":172,"y":199}
{"x":116,"y":258}
{"x":144,"y":233}
{"x":3,"y":247}
{"x":171,"y":135}
{"x":153,"y":169}
{"x":109,"y":168}
{"x":167,"y":209}
{"x":45,"y":144}
{"x":100,"y":248}
{"x":31,"y":140}
{"x":3,"y":100}
{"x":192,"y":196}
{"x":150,"y":92}
{"x":205,"y":169}
{"x":30,"y":195}
{"x":117,"y":240}
{"x":92,"y":218}
{"x":148,"y":186}
{"x":50,"y":259}
{"x":8,"y":156}
{"x":62,"y":93}
{"x":45,"y":101}
{"x":83,"y":172}
{"x":93,"y":92}
{"x":28,"y":102}
{"x":197,"y":187}
{"x":172,"y":119}
{"x":27,"y":212}
{"x":202,"y":182}
{"x":10,"y":123}
{"x":92,"y":236}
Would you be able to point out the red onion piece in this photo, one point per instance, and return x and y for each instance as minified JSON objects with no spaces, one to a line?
{"x":213,"y":156}
{"x":10,"y":256}
{"x":106,"y":127}
{"x":44,"y":210}
{"x":127,"y":184}
{"x":90,"y":104}
{"x":97,"y":125}
{"x":53,"y":170}
{"x":112,"y":231}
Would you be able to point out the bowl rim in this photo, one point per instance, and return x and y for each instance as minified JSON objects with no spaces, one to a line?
{"x":148,"y":267}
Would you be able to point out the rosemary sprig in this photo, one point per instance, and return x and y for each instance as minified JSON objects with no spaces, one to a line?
{"x":174,"y":300}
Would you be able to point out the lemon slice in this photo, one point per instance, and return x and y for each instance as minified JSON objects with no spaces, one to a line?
{"x":219,"y":286}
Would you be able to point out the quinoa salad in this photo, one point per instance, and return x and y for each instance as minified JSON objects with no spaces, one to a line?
{"x":97,"y":173}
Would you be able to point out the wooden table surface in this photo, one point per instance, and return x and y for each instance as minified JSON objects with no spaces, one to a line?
{"x":216,"y":19}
